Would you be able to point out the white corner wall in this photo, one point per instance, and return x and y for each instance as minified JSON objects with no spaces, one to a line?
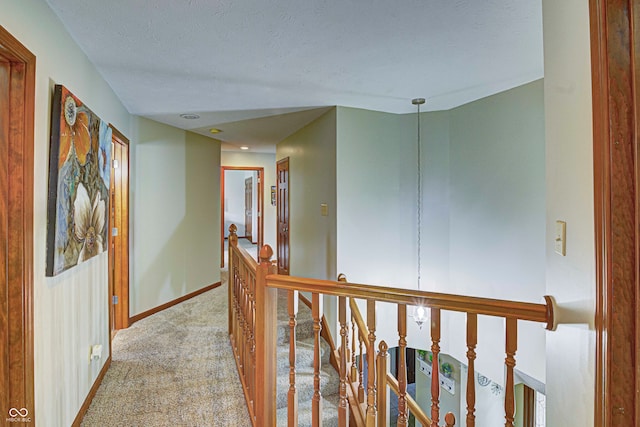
{"x":175,"y":183}
{"x":71,"y":309}
{"x":497,"y":219}
{"x":570,"y":355}
{"x":268,"y":162}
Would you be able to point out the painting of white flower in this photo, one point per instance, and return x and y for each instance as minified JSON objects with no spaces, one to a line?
{"x":89,"y":220}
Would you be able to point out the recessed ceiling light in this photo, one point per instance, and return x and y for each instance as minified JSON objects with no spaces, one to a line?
{"x":189,"y":116}
{"x":214,"y":130}
{"x":244,"y":147}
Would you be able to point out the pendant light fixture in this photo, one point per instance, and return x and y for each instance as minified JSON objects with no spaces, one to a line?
{"x":419,"y":312}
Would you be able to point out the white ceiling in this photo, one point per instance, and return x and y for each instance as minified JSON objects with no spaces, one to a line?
{"x":238,"y":62}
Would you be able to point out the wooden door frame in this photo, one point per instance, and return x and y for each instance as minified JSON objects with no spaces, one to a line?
{"x":20,"y":220}
{"x":260,"y":171}
{"x":121,"y":289}
{"x":615,"y":75}
{"x":248,"y":181}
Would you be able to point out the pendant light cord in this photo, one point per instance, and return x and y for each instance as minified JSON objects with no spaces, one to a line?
{"x":418,"y":102}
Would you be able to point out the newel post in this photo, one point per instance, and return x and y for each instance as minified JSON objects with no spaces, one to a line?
{"x":233,"y":241}
{"x":265,"y":335}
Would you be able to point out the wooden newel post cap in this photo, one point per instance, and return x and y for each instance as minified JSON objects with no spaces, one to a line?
{"x":450,"y":419}
{"x":266,"y":253}
{"x":342,"y":277}
{"x":383,"y":347}
{"x":233,"y":229}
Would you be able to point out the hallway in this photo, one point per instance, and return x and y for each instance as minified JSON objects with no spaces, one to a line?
{"x":174,"y":368}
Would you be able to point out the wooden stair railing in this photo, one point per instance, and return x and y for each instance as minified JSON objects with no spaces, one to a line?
{"x":252,"y":328}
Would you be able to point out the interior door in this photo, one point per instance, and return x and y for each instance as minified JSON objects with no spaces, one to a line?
{"x":283,"y":216}
{"x":119,"y":236}
{"x":248,"y":208}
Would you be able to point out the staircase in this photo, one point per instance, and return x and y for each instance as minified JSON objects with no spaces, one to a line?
{"x":329,"y":379}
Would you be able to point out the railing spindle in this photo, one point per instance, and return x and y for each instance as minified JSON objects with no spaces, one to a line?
{"x":510,"y":361}
{"x":361,"y":372}
{"x":371,"y":364}
{"x":232,"y":241}
{"x":292,"y":305}
{"x":435,"y":367}
{"x":403,"y":412}
{"x":343,"y":405}
{"x":381,"y":366}
{"x":316,"y":400}
{"x":354,"y":368}
{"x":472,"y":341}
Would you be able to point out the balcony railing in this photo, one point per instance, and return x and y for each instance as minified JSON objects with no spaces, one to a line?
{"x":253,"y":291}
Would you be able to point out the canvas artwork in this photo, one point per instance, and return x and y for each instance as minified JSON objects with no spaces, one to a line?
{"x":79,"y":174}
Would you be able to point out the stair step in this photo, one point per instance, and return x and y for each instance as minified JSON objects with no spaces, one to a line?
{"x":329,"y":412}
{"x":329,"y":379}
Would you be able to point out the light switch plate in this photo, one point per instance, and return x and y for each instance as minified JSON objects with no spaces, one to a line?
{"x":560,"y":243}
{"x":324,"y":209}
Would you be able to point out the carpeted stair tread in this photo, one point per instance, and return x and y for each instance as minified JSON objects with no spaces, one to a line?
{"x":329,"y":379}
{"x":329,"y":412}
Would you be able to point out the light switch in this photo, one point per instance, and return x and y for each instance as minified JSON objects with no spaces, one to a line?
{"x":324,"y":209}
{"x":560,"y":242}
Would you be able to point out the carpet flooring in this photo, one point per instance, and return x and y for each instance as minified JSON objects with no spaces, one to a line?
{"x":174,"y":368}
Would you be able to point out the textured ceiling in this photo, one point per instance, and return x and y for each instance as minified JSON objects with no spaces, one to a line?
{"x":236,"y":60}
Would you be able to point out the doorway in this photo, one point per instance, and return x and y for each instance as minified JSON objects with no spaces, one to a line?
{"x":17,"y":98}
{"x":119,"y":235}
{"x":242,"y":204}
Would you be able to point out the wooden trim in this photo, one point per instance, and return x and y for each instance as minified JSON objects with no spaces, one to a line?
{"x":529,"y":406}
{"x":614,"y":45}
{"x":20,"y":238}
{"x":92,"y":393}
{"x":121,"y":310}
{"x":485,"y":306}
{"x":169,"y":304}
{"x":260,"y":206}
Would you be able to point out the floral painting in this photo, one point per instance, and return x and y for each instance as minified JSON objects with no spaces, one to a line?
{"x":79,"y":174}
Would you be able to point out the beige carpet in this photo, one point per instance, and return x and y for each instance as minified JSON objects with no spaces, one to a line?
{"x":174,"y":368}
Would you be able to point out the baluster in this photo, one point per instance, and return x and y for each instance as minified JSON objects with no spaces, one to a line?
{"x":435,"y":367}
{"x":293,"y":392}
{"x":403,"y":410}
{"x":245,"y":310}
{"x":450,"y":419}
{"x":240,"y":338}
{"x":252,"y":339}
{"x":361,"y":372}
{"x":232,"y":242}
{"x":371,"y":364}
{"x":381,"y":366}
{"x":316,"y":401}
{"x":354,"y":368}
{"x":343,"y":405}
{"x":472,"y":341}
{"x":510,"y":361}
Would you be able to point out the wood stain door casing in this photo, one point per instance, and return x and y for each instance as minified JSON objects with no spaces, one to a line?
{"x":17,"y":102}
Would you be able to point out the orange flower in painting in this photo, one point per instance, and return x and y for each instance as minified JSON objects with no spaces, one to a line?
{"x":74,"y":130}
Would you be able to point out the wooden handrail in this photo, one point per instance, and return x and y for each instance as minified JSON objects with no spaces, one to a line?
{"x":253,"y":332}
{"x":484,"y":306}
{"x":414,"y":408}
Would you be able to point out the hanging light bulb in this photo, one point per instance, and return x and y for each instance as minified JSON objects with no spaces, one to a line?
{"x":419,"y":312}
